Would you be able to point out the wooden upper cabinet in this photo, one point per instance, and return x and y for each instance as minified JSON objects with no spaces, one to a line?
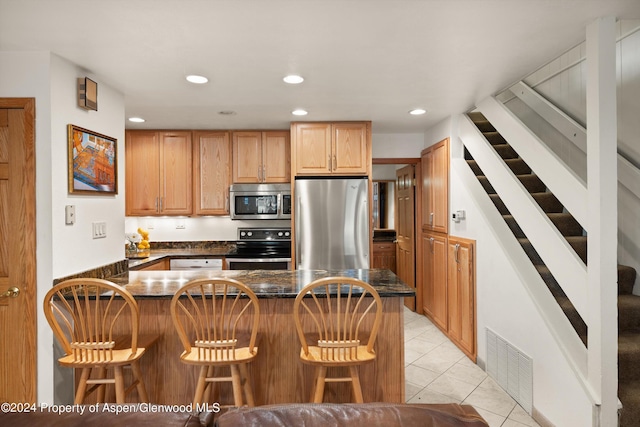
{"x":276,"y":156}
{"x":212,"y":172}
{"x":435,"y":184}
{"x":261,"y":157}
{"x":158,"y":173}
{"x":342,"y":148}
{"x":351,"y":149}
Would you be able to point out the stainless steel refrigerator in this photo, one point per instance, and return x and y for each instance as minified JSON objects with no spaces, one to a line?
{"x":331,"y":223}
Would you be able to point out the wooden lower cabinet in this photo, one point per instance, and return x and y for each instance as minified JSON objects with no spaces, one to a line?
{"x":384,"y":255}
{"x":434,"y":277}
{"x":461,"y":294}
{"x":448,"y":288}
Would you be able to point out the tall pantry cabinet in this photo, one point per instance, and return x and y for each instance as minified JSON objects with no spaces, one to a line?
{"x":447,"y":270}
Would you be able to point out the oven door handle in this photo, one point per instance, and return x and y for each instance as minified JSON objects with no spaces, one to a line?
{"x":258,"y":260}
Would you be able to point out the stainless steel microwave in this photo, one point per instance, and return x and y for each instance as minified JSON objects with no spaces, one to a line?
{"x":260,"y":201}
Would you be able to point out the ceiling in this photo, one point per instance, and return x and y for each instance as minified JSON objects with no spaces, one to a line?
{"x":361,"y":59}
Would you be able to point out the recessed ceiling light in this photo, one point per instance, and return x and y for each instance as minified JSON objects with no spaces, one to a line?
{"x":299,"y":112}
{"x":197,"y":79}
{"x":293,"y":79}
{"x":136,"y":119}
{"x":417,"y":112}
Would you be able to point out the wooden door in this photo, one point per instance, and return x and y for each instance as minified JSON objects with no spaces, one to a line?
{"x":350,"y":148}
{"x":17,"y":251}
{"x":440,"y":186}
{"x":212,"y":172}
{"x":461,"y":295}
{"x":434,"y":282}
{"x":276,"y":156}
{"x":247,"y":157}
{"x":176,"y":176}
{"x":142,"y":173}
{"x":312,"y":147}
{"x":405,"y":229}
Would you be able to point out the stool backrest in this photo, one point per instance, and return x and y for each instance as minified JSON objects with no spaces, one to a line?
{"x":216,"y":316}
{"x":91,"y":317}
{"x":343,"y":313}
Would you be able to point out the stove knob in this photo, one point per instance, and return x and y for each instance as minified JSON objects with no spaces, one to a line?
{"x":249,"y":233}
{"x":242,"y":234}
{"x":280,"y":233}
{"x":287,"y":234}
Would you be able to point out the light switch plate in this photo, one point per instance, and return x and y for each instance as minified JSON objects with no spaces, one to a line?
{"x":99,"y":230}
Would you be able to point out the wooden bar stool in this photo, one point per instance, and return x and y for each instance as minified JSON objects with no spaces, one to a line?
{"x":217,"y":322}
{"x":96,"y":322}
{"x":342,"y":317}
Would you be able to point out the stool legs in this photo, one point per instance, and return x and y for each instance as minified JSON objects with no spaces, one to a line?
{"x":320,"y":380}
{"x":355,"y":382}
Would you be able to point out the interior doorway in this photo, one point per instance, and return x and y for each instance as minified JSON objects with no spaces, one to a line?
{"x":406,"y":202}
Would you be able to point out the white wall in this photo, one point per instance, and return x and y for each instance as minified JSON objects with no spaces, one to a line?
{"x":504,"y":306}
{"x":63,"y":250}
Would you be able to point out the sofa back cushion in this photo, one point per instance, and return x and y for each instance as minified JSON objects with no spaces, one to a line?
{"x":342,"y":415}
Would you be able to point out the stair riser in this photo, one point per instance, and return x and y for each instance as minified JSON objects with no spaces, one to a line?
{"x":518,"y":166}
{"x":626,"y":279}
{"x":548,"y":202}
{"x":629,"y":366}
{"x":532,"y":183}
{"x":484,"y":126}
{"x":566,"y":224}
{"x":506,"y":151}
{"x":494,"y":138}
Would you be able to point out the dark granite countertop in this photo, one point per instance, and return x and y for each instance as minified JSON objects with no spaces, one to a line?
{"x":265,"y":283}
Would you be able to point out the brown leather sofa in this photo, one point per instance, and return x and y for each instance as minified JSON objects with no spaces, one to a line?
{"x":351,"y":415}
{"x":298,"y":415}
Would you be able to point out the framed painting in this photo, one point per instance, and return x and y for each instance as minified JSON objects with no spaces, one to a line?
{"x":93,"y":167}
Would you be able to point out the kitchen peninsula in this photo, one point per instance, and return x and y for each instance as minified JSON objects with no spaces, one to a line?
{"x":277,"y":374}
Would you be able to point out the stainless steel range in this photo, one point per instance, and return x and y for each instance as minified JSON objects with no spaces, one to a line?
{"x":261,"y":249}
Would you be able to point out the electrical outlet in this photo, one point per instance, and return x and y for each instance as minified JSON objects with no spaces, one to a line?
{"x":99,"y":230}
{"x":70,"y":214}
{"x":180,"y":225}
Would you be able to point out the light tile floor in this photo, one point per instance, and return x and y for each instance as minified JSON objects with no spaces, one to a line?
{"x":436,"y":371}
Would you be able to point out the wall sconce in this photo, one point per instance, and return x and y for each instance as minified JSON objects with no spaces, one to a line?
{"x":87,"y":94}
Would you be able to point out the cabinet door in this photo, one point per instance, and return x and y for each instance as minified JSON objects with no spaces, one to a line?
{"x":176,"y":173}
{"x":212,"y":172}
{"x":312,"y":148}
{"x":435,"y":184}
{"x":440,"y":187}
{"x":142,"y":173}
{"x":461,"y":295}
{"x":247,"y":157}
{"x":350,"y":148}
{"x":434,"y":250}
{"x":384,"y":255}
{"x":276,"y":157}
{"x":426,"y":160}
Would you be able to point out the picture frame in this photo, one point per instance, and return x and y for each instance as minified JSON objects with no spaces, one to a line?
{"x":93,"y":162}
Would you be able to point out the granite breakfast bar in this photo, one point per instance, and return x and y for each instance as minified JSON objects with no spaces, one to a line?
{"x":277,"y":374}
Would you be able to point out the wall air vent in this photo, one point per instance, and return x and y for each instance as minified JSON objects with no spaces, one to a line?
{"x":511,"y":368}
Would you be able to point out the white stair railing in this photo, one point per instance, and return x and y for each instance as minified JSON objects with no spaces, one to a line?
{"x":564,"y":264}
{"x":628,"y":174}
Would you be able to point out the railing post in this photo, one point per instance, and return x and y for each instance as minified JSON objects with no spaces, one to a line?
{"x":602,"y":181}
